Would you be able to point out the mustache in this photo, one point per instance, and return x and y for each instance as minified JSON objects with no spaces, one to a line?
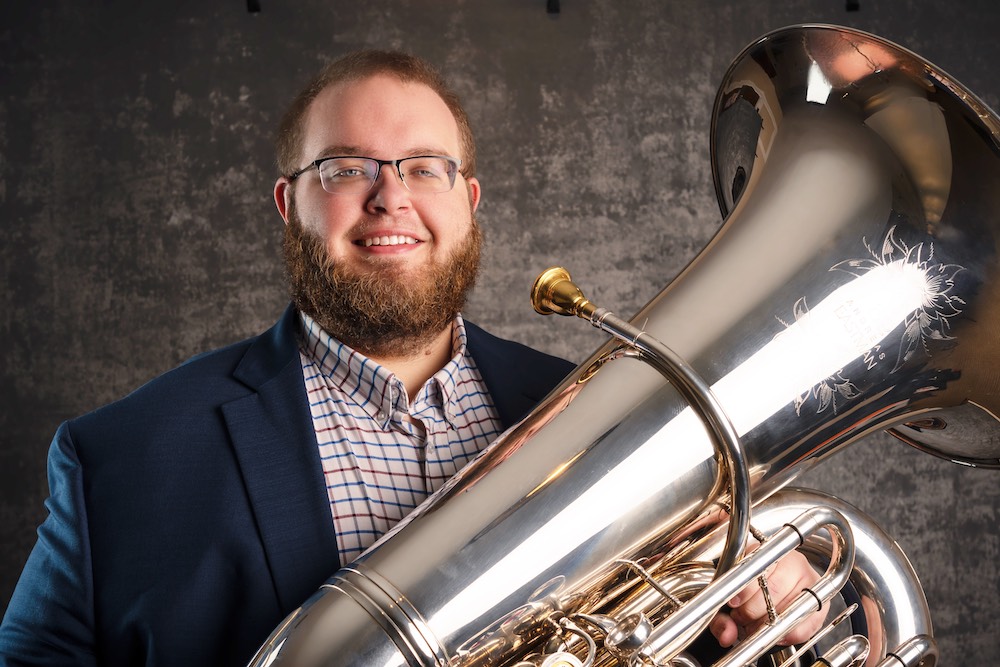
{"x":369,"y":224}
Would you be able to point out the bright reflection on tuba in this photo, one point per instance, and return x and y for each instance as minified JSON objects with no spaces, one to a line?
{"x":851,"y":288}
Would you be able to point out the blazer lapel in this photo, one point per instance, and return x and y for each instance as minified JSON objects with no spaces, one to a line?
{"x":516,"y":376}
{"x":271,"y":431}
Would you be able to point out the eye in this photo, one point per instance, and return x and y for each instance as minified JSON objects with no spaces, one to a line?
{"x":346,"y":172}
{"x":345,"y":169}
{"x":425,"y":168}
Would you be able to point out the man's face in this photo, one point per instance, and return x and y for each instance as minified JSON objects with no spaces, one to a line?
{"x":384,"y":296}
{"x":384,"y":118}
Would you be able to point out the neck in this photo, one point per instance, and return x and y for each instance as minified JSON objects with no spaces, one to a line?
{"x":419,"y":362}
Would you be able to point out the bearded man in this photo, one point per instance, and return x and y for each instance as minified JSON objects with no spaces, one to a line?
{"x":382,"y":247}
{"x":187,"y":519}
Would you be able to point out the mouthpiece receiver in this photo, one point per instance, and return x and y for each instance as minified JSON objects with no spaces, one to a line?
{"x":555,"y":292}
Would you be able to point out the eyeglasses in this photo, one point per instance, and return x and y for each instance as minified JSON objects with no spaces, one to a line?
{"x":422,"y":174}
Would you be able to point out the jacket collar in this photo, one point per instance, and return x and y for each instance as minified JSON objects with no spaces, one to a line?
{"x":517,"y":377}
{"x":275,"y":445}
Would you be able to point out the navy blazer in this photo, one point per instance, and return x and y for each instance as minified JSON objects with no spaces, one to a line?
{"x":189,"y":518}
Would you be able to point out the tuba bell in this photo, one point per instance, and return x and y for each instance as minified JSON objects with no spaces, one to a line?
{"x":852,"y":288}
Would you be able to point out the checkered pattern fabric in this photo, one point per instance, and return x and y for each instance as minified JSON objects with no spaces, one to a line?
{"x":383,"y":454}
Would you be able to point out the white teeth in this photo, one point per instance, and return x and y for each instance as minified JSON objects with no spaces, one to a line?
{"x":389,"y":240}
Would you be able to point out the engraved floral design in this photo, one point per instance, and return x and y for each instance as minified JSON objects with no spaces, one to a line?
{"x":938,"y":302}
{"x":826,"y":392}
{"x":929,"y":321}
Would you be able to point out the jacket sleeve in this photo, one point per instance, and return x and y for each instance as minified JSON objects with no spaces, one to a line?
{"x":50,"y":618}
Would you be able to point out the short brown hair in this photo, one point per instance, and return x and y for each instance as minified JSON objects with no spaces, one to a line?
{"x":361,"y":65}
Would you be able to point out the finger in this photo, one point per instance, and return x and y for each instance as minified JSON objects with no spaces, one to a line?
{"x":806,"y":628}
{"x":790,"y":577}
{"x":750,"y":589}
{"x":801,"y":633}
{"x":785,"y":579}
{"x":724,"y":629}
{"x":751,"y":605}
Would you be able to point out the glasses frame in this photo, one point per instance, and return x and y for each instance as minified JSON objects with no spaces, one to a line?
{"x":454,"y":161}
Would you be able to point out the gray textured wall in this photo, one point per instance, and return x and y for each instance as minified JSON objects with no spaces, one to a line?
{"x":136,"y":226}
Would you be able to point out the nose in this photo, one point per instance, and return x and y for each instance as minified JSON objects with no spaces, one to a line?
{"x":388,"y":192}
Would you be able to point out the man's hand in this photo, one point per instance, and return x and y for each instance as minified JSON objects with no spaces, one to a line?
{"x":748,"y":610}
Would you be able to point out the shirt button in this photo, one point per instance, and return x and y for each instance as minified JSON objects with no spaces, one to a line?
{"x":381,"y":416}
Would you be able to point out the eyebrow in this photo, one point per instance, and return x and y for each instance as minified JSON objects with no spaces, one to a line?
{"x":355,"y":151}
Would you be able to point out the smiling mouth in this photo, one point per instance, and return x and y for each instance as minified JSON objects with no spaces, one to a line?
{"x":387,"y":241}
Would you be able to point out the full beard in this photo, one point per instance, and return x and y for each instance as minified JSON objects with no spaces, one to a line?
{"x":381,"y":312}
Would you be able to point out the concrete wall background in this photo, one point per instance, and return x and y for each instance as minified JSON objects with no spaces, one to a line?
{"x":137,"y":229}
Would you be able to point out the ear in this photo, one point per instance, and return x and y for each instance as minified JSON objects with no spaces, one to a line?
{"x":474,"y":192}
{"x":282,"y":196}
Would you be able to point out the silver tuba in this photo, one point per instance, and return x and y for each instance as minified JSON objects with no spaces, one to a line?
{"x":851,"y":288}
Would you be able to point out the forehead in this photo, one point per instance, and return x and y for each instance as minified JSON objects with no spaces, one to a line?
{"x":379,"y":116}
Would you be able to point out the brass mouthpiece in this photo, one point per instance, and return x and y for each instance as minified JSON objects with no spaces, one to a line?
{"x":555,"y":292}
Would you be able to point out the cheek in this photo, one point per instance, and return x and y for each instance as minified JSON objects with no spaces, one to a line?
{"x":328,"y":219}
{"x":451,"y":221}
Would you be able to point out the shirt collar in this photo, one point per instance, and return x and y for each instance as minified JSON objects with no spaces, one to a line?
{"x":373,"y":386}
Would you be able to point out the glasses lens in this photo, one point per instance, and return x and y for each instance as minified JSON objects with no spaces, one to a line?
{"x":348,"y":175}
{"x":353,"y":175}
{"x":428,"y":174}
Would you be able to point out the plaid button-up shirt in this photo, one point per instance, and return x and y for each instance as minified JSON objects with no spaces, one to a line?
{"x":383,"y":453}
